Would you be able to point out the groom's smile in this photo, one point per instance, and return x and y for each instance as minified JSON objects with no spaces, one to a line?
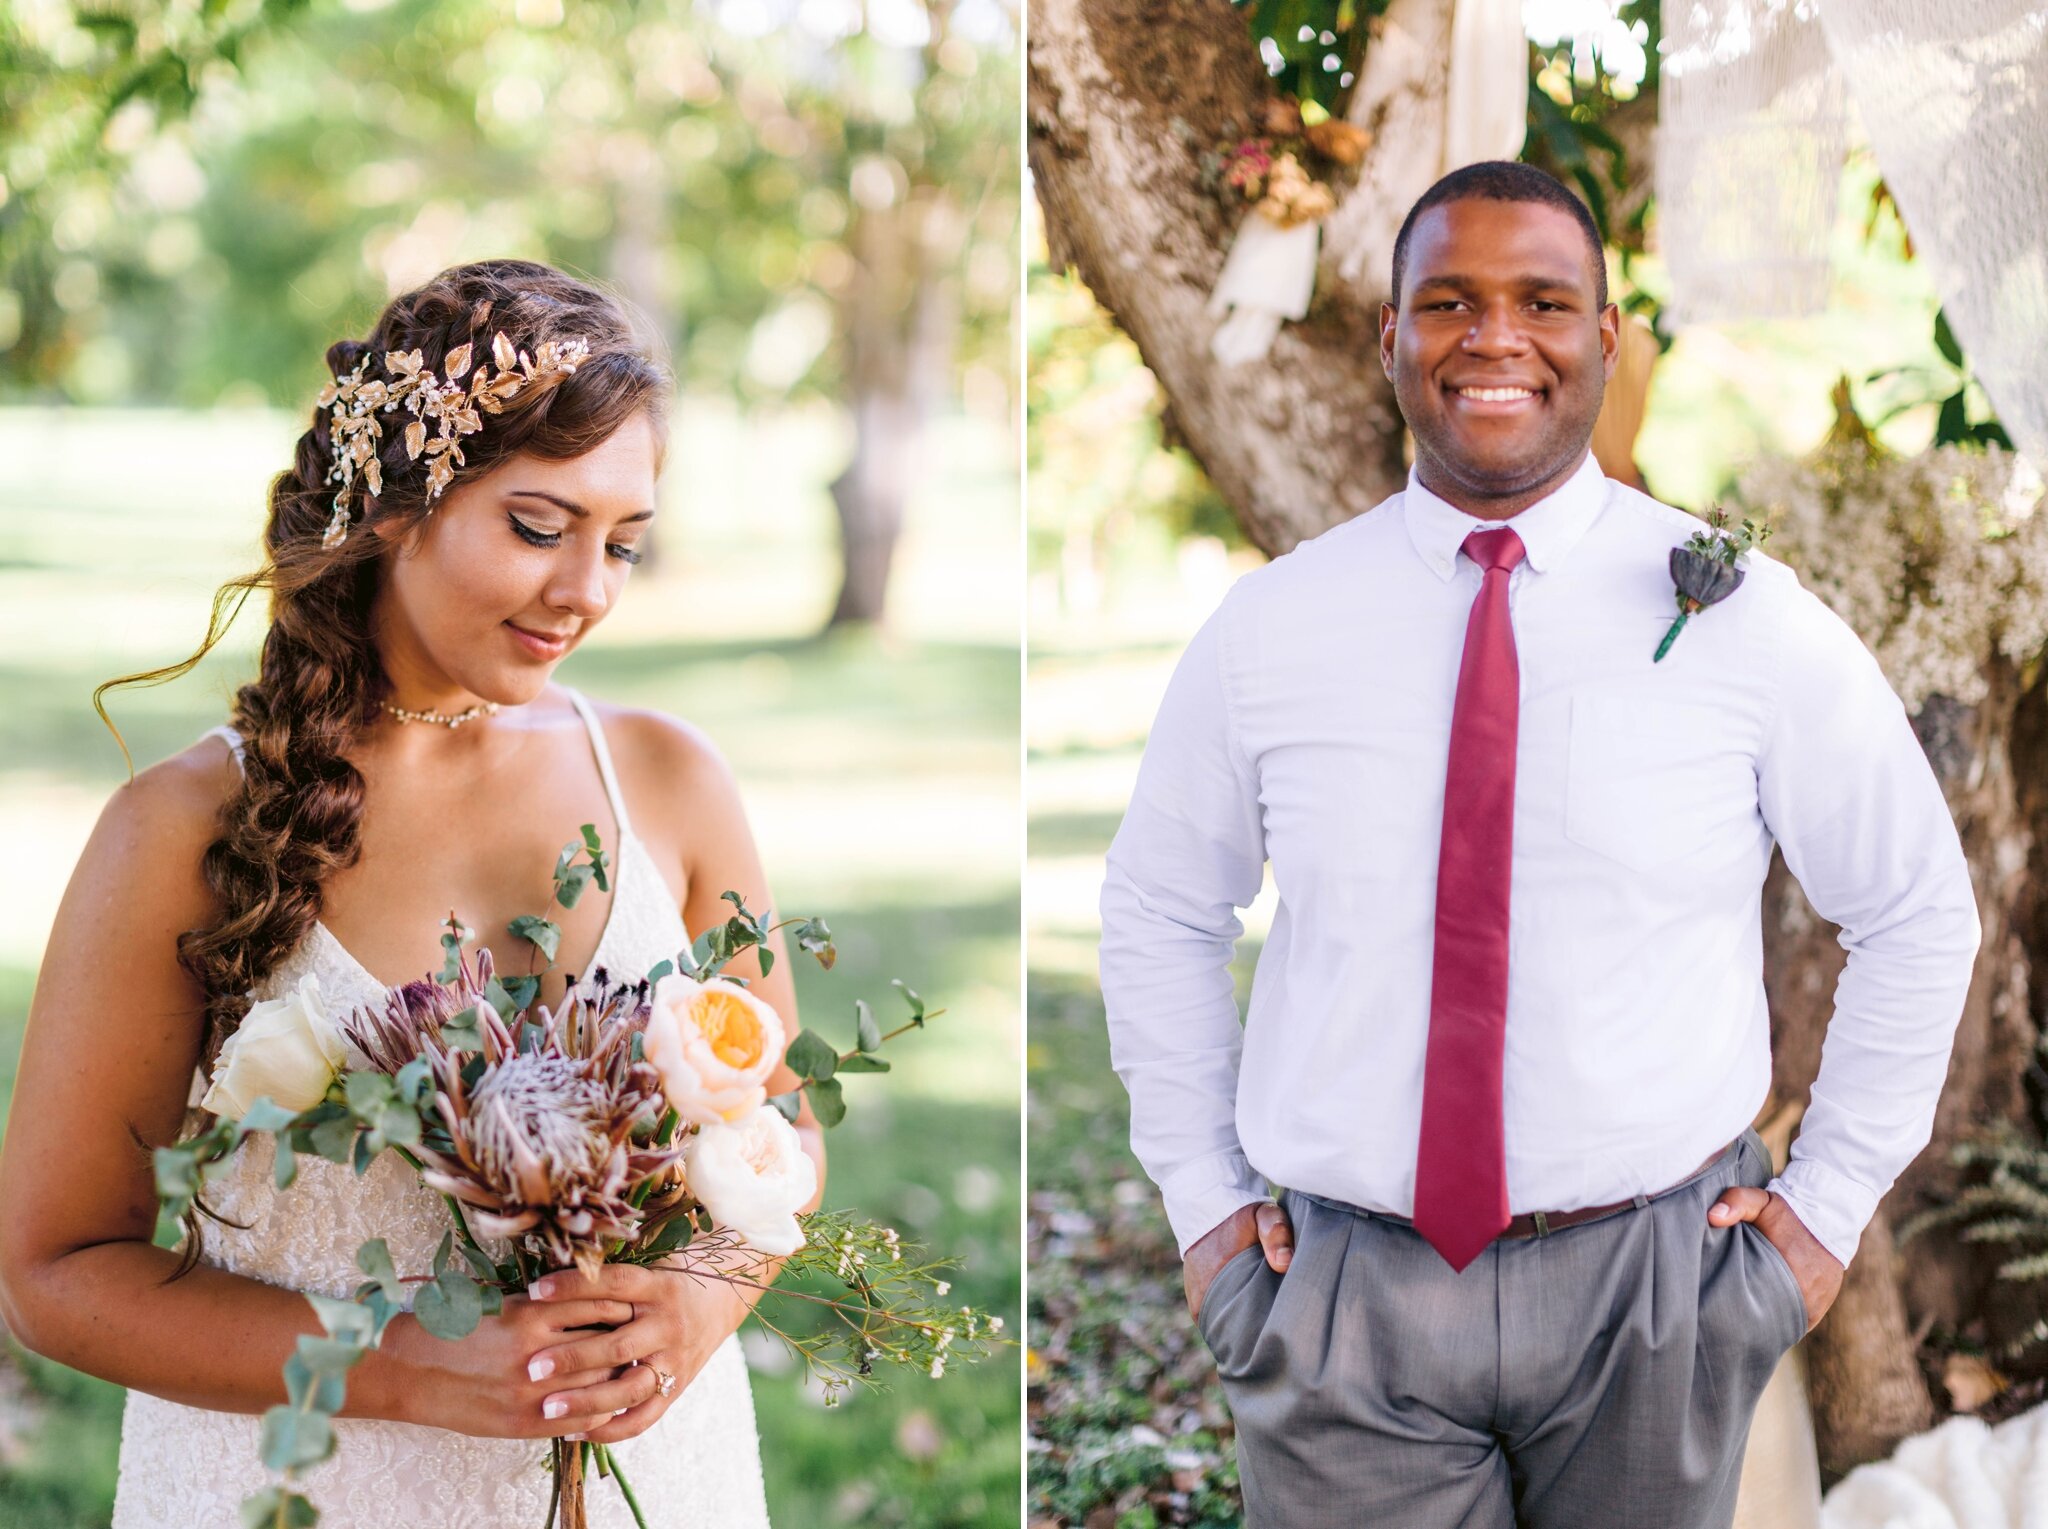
{"x":1499,"y":347}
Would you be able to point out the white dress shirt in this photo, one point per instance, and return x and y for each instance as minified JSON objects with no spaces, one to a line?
{"x":1308,"y":724}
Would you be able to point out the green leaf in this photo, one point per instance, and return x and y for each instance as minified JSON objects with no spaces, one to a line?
{"x":374,"y":1259}
{"x":916,"y":1003}
{"x":815,"y":939}
{"x":493,"y":1299}
{"x":415,"y":1080}
{"x":811,"y":1056}
{"x":332,"y":1138}
{"x":322,"y":1390}
{"x":266,"y":1116}
{"x":767,"y":960}
{"x":860,"y":1061}
{"x":450,"y":1307}
{"x":501,"y":1000}
{"x":867,"y":1034}
{"x":444,"y":1253}
{"x":276,"y":1505}
{"x":343,"y":1319}
{"x":365,"y":1153}
{"x":485,"y":1269}
{"x":520,"y":993}
{"x":293,"y":1440}
{"x":368,"y":1094}
{"x":328,"y":1356}
{"x":674,"y":1233}
{"x":1945,"y":338}
{"x":538,"y":931}
{"x":659,"y":970}
{"x":788,"y":1105}
{"x":451,"y":957}
{"x":285,"y":1170}
{"x":827,"y":1103}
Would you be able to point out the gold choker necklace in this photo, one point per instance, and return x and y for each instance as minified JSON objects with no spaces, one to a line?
{"x":444,"y":719}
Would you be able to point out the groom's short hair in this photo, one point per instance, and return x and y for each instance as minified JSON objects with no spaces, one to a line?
{"x":1503,"y":180}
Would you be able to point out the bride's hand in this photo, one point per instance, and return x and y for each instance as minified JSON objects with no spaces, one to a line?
{"x":674,"y":1321}
{"x":479,"y":1385}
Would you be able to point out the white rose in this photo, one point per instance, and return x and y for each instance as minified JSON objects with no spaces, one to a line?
{"x":753,"y":1177}
{"x":286,"y":1050}
{"x":714,"y":1044}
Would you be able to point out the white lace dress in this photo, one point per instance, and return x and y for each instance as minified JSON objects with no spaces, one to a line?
{"x":182,"y":1467}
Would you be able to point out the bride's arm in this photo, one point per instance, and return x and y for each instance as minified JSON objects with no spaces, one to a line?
{"x":115,"y":1029}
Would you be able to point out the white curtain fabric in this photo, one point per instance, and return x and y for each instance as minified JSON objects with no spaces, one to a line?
{"x":1486,"y":106}
{"x":1953,"y":95}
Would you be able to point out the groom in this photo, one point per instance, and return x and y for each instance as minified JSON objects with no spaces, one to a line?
{"x":1531,"y":1265}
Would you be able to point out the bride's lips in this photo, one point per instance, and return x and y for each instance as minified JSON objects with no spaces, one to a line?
{"x":540,"y":645}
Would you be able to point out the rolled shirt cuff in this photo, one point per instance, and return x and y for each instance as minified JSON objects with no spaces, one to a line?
{"x":1200,"y":1195}
{"x":1830,"y":1204}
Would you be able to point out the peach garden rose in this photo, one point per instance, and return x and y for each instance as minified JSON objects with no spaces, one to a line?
{"x":714,"y":1044}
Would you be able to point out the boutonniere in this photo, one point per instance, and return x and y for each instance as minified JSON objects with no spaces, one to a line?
{"x":1708,"y":569}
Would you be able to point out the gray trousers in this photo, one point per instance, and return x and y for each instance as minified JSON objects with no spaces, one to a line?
{"x":1600,"y":1377}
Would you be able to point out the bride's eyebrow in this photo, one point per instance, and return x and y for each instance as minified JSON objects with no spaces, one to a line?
{"x":571,"y":505}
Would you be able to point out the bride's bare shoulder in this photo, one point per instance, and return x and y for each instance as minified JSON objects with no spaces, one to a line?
{"x":671,"y":771}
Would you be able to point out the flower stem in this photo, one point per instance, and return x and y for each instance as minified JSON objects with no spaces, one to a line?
{"x":612,"y":1464}
{"x":1670,"y":636}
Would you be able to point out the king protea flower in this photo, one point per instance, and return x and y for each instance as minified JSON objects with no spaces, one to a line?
{"x":548,"y":1134}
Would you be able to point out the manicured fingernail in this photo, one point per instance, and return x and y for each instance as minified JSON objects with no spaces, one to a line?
{"x":553,"y":1409}
{"x":573,"y":1437}
{"x":539,"y":1290}
{"x":620,"y":1413}
{"x":540,"y":1369}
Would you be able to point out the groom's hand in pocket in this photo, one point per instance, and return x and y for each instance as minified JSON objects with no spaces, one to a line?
{"x":1264,"y":1223}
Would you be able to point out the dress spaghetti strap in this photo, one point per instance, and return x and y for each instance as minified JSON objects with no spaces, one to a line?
{"x":227,"y":735}
{"x":604,"y":759}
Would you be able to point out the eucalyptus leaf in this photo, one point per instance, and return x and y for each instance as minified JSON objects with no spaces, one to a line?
{"x":767,"y":960}
{"x":332,"y":1138}
{"x":415,"y":1079}
{"x":520,"y":993}
{"x":540,"y":932}
{"x":449,"y":1307}
{"x":867,"y":1034}
{"x":285,"y":1171}
{"x":811,"y":1056}
{"x":365,"y":1153}
{"x":277,"y":1505}
{"x":321,"y":1390}
{"x":443,"y":1253}
{"x":343,"y":1319}
{"x":374,"y":1259}
{"x":910,"y":994}
{"x":327,"y":1356}
{"x":860,"y":1061}
{"x":263,"y":1115}
{"x":827,"y":1103}
{"x":788,"y":1105}
{"x":293,"y":1440}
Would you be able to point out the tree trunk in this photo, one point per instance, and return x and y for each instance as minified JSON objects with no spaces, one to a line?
{"x":1123,"y":97}
{"x":900,"y":319}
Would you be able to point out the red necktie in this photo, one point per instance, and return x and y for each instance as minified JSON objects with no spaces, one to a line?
{"x":1461,"y":1185}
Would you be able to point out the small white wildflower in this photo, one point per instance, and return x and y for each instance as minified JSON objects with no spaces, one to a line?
{"x":938,"y":1366}
{"x":943,"y":1287}
{"x":995,"y":1324}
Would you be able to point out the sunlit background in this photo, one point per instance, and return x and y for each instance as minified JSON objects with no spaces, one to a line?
{"x":816,"y":204}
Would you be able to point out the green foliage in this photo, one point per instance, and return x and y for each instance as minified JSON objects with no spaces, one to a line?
{"x":1964,"y":416}
{"x":2004,"y":1204}
{"x":1312,"y":48}
{"x":201,"y":198}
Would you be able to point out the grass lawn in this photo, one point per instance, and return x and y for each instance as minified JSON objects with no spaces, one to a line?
{"x":880,"y":774}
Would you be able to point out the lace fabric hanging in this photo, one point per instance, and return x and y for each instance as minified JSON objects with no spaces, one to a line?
{"x":1953,"y":95}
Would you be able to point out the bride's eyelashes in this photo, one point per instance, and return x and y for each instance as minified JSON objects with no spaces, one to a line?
{"x":529,"y":535}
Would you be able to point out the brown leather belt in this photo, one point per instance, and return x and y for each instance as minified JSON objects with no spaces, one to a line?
{"x":1541,"y":1223}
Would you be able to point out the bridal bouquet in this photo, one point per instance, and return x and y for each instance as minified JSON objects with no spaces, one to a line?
{"x":630,"y":1124}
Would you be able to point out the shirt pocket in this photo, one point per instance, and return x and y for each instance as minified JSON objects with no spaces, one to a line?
{"x":1651,"y":781}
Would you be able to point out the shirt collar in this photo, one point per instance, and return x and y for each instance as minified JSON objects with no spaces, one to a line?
{"x":1549,"y":528}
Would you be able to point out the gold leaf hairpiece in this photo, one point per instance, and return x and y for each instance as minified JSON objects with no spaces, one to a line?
{"x":354,"y":403}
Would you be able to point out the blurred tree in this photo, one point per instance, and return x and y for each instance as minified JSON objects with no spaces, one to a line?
{"x":806,"y":199}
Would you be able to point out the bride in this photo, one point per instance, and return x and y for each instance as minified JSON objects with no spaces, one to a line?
{"x":402,"y":752}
